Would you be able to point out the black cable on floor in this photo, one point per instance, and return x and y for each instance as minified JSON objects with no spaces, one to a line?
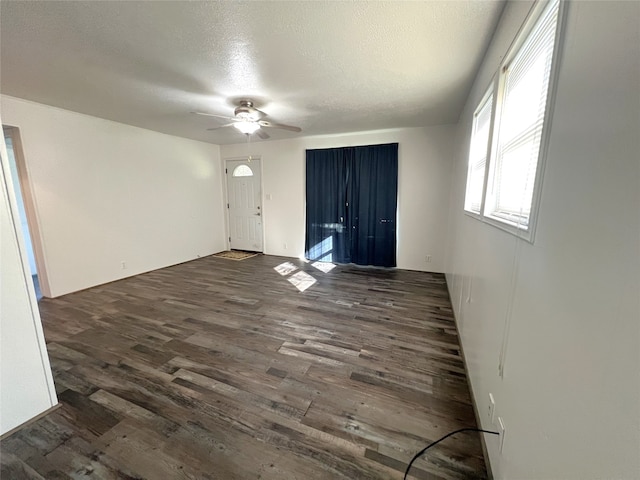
{"x":417,"y":455}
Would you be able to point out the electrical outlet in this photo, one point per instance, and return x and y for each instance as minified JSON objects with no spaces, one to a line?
{"x":492,"y":409}
{"x":123,"y":265}
{"x":285,"y":245}
{"x":501,"y":431}
{"x":427,"y":259}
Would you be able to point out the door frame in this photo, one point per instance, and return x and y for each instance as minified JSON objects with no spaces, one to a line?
{"x":30,"y":207}
{"x":226,"y":198}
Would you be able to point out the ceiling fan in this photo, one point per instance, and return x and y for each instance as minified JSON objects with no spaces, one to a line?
{"x":248,"y":119}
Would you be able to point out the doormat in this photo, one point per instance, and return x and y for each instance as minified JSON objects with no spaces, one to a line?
{"x":235,"y":255}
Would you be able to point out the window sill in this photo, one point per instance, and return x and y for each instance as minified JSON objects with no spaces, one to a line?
{"x":503,"y":225}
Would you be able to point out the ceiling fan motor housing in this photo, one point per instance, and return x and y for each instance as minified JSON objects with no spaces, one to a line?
{"x":246,"y":111}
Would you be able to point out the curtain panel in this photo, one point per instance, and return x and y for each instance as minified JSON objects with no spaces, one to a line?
{"x":351,"y":204}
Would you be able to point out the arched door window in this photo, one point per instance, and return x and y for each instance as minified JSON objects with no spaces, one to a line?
{"x":242,"y":171}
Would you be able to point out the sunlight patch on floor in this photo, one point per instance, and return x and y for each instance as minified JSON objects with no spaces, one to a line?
{"x":325,"y":267}
{"x":301,"y":280}
{"x":285,"y":268}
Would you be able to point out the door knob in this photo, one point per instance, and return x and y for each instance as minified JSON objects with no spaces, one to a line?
{"x":258,"y":214}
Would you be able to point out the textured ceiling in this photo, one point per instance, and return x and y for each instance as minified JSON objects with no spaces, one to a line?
{"x":328,"y":67}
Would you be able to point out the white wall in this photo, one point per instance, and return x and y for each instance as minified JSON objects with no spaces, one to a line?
{"x":107,"y":193}
{"x":26,"y":384}
{"x":570,"y":397}
{"x":424,"y":175}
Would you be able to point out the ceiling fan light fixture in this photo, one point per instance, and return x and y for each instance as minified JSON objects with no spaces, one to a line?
{"x":247,"y":127}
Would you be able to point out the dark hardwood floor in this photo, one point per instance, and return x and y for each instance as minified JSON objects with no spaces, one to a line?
{"x":218,"y":369}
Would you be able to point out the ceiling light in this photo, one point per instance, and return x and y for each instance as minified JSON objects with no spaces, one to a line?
{"x":247,"y":126}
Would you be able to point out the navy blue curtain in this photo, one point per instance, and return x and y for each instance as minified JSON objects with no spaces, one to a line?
{"x":352,"y":197}
{"x":326,"y":237}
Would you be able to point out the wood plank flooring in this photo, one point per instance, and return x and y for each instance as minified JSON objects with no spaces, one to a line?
{"x":216,"y":369}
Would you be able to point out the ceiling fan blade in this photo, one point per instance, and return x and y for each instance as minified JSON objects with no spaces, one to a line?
{"x":260,"y":113}
{"x":262,"y":134}
{"x":221,"y":126}
{"x":214,"y":115}
{"x":291,"y":128}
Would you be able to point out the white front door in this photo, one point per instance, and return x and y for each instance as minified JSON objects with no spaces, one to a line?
{"x":244,"y":204}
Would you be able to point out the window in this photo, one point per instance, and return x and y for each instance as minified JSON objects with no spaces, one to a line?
{"x":478,"y":153}
{"x":242,"y":171}
{"x":517,"y":139}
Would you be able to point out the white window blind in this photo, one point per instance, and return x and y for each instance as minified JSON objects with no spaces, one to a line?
{"x":525,"y":81}
{"x":478,"y":154}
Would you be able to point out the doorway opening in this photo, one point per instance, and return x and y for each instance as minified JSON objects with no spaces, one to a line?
{"x":19,"y":180}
